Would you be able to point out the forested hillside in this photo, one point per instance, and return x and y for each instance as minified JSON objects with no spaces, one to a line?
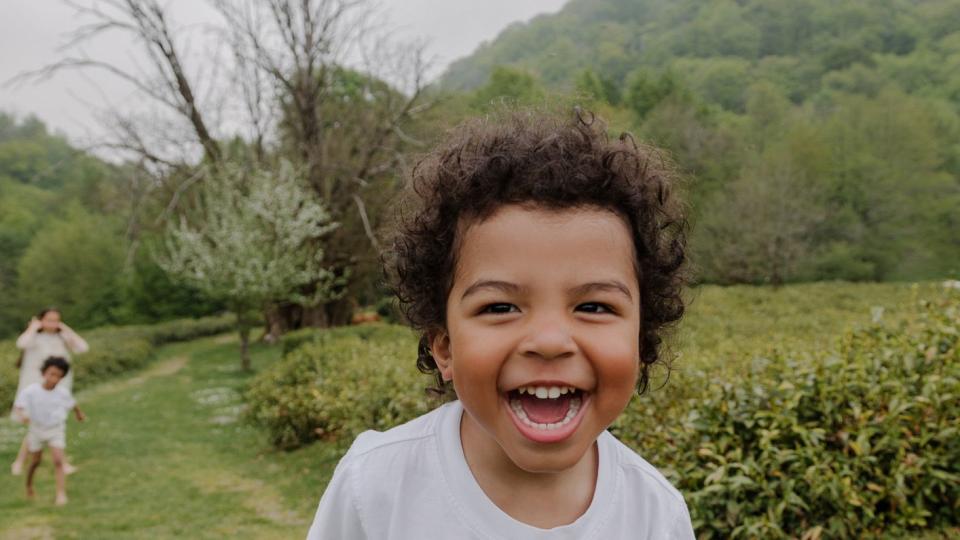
{"x":797,"y":43}
{"x":64,"y":238}
{"x":821,"y":138}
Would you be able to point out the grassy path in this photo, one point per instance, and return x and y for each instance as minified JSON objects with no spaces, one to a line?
{"x":163,"y":456}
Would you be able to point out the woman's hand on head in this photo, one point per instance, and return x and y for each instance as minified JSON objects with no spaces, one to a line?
{"x":34,"y":323}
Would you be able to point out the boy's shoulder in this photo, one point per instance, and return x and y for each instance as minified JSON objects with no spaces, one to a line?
{"x":642,"y":475}
{"x":32,"y":388}
{"x":397,"y":439}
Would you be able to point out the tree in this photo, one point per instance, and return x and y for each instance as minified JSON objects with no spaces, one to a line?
{"x":282,"y":78}
{"x":646,"y":89}
{"x":252,"y":244}
{"x":74,"y":263}
{"x":600,"y":88}
{"x":758,"y":229}
{"x":506,"y":83}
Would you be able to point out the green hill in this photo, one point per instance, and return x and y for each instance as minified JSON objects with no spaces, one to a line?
{"x":818,"y":138}
{"x":802,"y":45}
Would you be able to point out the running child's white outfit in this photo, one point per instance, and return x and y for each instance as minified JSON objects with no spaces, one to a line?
{"x":413,"y":482}
{"x":47,"y":411}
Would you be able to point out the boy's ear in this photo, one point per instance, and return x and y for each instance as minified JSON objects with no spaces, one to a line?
{"x":440,"y":349}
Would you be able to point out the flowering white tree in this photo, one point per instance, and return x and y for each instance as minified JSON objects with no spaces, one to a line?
{"x":252,"y":243}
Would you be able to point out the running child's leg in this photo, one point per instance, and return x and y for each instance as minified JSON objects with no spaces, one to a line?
{"x":35,"y":458}
{"x":68,"y":468}
{"x":16,"y":468}
{"x":58,"y":461}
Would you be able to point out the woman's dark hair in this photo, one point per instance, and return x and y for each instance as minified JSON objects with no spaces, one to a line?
{"x":56,"y":361}
{"x":544,"y":161}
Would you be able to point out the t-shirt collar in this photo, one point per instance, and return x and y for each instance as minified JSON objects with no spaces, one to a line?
{"x":482,"y":515}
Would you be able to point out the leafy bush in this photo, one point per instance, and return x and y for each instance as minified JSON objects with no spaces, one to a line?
{"x":852,"y":440}
{"x":114,"y":350}
{"x":338,"y":383}
{"x":855,"y":442}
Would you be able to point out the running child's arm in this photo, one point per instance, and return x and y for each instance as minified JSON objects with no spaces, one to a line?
{"x":21,"y":414}
{"x":80,"y":416}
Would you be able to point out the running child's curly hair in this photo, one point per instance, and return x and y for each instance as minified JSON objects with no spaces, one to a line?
{"x":545,"y":161}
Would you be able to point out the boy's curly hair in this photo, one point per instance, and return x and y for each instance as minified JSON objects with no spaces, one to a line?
{"x":548,"y":162}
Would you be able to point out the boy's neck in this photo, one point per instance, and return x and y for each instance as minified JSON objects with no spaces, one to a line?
{"x":50,"y":387}
{"x":543,"y":500}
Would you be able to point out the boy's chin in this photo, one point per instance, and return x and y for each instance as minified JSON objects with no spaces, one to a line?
{"x":549,"y":461}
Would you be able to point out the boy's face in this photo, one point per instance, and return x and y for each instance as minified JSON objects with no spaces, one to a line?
{"x":51,"y":377}
{"x":543,"y":301}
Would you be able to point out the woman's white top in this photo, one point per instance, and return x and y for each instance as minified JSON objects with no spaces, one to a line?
{"x":413,"y":482}
{"x":37,"y":347}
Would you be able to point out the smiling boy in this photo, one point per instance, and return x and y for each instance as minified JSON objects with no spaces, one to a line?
{"x":540,"y":265}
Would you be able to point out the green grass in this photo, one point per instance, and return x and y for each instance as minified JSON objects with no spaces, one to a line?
{"x":735,"y":324}
{"x":163,"y":456}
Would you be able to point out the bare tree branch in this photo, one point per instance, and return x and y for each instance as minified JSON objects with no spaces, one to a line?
{"x":366,"y":222}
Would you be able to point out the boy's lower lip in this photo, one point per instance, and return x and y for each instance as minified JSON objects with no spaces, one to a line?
{"x":547,"y":435}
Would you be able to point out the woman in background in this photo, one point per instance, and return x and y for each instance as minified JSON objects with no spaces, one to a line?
{"x":46,"y":335}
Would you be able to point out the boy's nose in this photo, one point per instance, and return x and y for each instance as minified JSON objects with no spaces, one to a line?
{"x":548,"y":339}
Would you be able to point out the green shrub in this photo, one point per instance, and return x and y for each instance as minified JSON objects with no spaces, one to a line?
{"x":379,"y":332}
{"x":114,"y":350}
{"x":851,"y":443}
{"x":855,"y":439}
{"x":338,"y":383}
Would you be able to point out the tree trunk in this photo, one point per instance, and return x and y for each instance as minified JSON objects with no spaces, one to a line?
{"x":244,"y":346}
{"x":339,"y":312}
{"x":280,"y":319}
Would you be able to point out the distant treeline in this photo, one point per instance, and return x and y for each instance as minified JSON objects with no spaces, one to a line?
{"x":64,"y":238}
{"x":820,"y":137}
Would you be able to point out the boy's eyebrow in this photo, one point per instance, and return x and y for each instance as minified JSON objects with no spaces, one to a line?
{"x":612,"y":285}
{"x":504,"y":286}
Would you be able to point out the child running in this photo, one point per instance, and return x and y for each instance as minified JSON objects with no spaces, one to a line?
{"x":541,"y":263}
{"x":44,"y":407}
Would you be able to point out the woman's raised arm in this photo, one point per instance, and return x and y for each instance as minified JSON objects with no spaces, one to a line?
{"x":26,"y":338}
{"x":76,"y":343}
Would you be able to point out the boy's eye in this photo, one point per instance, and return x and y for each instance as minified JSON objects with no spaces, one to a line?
{"x":499,"y":308}
{"x":595,"y":307}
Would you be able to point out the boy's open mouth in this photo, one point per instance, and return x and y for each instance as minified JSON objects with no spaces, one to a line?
{"x":546,"y":413}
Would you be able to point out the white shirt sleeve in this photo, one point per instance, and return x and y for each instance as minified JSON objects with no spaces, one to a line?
{"x":26,"y":339}
{"x":683,"y":528}
{"x":21,"y":400}
{"x":338,"y":516}
{"x":67,"y":399}
{"x":75,"y":343}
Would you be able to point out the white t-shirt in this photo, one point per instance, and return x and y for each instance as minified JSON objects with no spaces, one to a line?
{"x":413,"y":482}
{"x":45,"y":408}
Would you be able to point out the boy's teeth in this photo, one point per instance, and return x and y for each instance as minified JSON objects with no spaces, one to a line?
{"x":546,"y":392}
{"x":575,"y":403}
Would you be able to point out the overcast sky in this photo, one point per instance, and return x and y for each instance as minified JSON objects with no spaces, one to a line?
{"x":33,"y":31}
